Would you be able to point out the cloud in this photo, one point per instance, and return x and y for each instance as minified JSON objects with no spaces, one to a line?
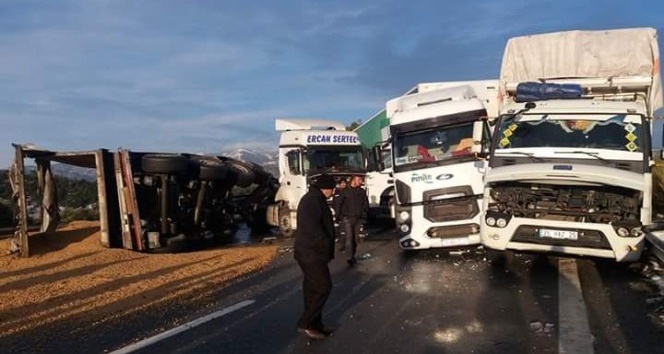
{"x":205,"y":75}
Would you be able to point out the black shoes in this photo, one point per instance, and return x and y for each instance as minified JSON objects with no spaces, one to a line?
{"x":313,"y":333}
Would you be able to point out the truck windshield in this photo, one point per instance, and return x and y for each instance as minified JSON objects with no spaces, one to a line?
{"x":438,"y":144}
{"x":318,"y":159}
{"x":613,"y":132}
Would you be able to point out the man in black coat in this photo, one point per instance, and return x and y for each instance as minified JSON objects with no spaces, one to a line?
{"x":313,"y":250}
{"x":351,"y":207}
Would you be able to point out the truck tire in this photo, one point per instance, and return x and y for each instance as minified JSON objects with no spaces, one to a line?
{"x":285,"y":226}
{"x":245,"y":176}
{"x":210,"y":169}
{"x":260,"y":175}
{"x":164,"y":163}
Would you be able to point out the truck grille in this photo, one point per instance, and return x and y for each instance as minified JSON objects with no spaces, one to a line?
{"x":450,"y":204}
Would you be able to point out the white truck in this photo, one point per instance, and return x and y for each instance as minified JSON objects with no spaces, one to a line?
{"x":307,"y":149}
{"x":570,"y":166}
{"x":379,"y":181}
{"x":438,"y":135}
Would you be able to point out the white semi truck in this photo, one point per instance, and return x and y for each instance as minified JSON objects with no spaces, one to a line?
{"x":570,"y":164}
{"x":438,"y":135}
{"x":307,"y":149}
{"x":379,"y":181}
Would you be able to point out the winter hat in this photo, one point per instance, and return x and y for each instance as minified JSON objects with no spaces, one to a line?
{"x":325,"y":182}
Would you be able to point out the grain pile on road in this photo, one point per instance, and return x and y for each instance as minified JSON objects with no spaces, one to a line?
{"x":71,"y":277}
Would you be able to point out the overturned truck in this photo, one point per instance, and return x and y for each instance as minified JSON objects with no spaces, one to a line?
{"x":150,"y":201}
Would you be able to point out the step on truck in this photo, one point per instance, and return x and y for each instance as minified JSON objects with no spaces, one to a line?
{"x":570,"y":164}
{"x":438,"y":136}
{"x":309,"y":148}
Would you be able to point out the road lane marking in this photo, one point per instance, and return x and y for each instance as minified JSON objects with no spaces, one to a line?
{"x":573,"y":329}
{"x":179,"y":329}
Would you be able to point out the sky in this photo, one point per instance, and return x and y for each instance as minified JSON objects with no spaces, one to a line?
{"x":208,"y":76}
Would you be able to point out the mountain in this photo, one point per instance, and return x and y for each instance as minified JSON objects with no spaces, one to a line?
{"x":268,"y":159}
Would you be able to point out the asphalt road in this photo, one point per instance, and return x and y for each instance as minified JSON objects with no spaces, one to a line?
{"x":424,"y":302}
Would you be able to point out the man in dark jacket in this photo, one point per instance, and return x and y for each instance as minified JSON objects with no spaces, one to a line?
{"x":314,"y":249}
{"x":351,"y":207}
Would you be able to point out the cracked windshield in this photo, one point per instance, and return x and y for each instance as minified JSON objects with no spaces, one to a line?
{"x":614,"y":132}
{"x":343,"y":159}
{"x":434,"y":144}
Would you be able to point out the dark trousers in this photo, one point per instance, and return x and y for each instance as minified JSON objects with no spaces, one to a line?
{"x":316,"y":288}
{"x":350,"y":233}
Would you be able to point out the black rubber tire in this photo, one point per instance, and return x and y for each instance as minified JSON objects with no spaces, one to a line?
{"x":285,"y":226}
{"x":260,"y":175}
{"x":243,"y":172}
{"x":170,"y":164}
{"x":210,"y":169}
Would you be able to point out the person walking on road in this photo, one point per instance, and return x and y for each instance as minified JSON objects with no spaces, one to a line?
{"x":341,"y":185}
{"x":351,"y":207}
{"x":313,"y":250}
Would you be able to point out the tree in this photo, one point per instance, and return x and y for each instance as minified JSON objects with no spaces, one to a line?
{"x":354,"y":125}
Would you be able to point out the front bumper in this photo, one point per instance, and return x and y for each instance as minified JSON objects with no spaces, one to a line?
{"x":602,"y":240}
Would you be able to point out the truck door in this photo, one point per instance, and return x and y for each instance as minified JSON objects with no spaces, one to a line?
{"x":294,"y":178}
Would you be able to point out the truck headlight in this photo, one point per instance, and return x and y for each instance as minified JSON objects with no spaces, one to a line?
{"x":501,"y":222}
{"x":405,"y":228}
{"x":491,"y":221}
{"x":404,"y":215}
{"x":622,"y":232}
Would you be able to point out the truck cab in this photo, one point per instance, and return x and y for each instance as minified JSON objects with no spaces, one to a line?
{"x":439,"y":135}
{"x":309,"y":148}
{"x":570,"y":167}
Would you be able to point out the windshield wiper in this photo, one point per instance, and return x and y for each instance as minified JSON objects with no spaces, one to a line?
{"x":589,"y":153}
{"x":523,"y":153}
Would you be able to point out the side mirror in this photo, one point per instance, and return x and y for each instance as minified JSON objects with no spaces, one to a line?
{"x":478,"y":129}
{"x":661,"y":154}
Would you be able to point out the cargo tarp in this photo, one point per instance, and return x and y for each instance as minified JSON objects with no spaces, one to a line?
{"x":585,"y":54}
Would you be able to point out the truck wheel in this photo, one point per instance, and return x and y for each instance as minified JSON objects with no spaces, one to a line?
{"x":285,"y":226}
{"x":245,"y":176}
{"x":210,"y":169}
{"x":164,"y":163}
{"x":260,"y":175}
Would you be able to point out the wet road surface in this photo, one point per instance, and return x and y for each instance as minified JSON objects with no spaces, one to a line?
{"x":394,"y":302}
{"x":436,"y":302}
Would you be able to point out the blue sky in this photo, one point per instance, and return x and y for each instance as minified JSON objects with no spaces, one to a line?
{"x":206,"y":76}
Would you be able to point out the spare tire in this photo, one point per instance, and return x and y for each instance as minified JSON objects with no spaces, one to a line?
{"x":210,"y":169}
{"x":164,"y":163}
{"x":245,"y":175}
{"x":260,"y":175}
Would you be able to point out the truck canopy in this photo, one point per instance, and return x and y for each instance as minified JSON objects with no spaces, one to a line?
{"x":617,"y":56}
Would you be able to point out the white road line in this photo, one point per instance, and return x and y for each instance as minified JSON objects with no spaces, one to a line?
{"x":179,"y":329}
{"x":573,"y":330}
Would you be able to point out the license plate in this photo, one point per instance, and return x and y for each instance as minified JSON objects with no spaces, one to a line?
{"x":455,"y":242}
{"x":559,"y":234}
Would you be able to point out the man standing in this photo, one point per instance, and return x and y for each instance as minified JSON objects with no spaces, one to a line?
{"x":351,"y":208}
{"x":313,"y":250}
